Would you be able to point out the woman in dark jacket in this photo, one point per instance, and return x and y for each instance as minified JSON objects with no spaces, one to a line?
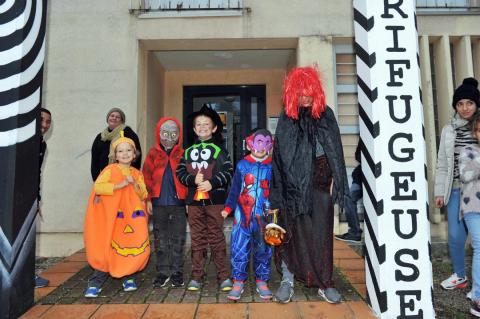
{"x":308,"y":177}
{"x":101,"y":145}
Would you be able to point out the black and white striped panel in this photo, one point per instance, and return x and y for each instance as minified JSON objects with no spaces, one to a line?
{"x":399,"y":270}
{"x":22,"y":51}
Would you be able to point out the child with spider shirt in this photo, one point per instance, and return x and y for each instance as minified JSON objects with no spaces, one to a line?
{"x":248,"y":198}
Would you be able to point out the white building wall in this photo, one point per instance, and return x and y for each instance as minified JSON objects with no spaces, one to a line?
{"x":94,"y":62}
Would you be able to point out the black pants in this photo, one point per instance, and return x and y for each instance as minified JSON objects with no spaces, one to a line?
{"x":169,"y":227}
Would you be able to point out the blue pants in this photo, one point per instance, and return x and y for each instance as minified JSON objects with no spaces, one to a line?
{"x":351,"y":210}
{"x":457,"y":234}
{"x":244,"y":240}
{"x":473,"y":224}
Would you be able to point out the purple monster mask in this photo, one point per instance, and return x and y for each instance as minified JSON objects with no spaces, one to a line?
{"x":261,"y":141}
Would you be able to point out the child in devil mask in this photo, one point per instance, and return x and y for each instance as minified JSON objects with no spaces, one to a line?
{"x":248,"y":198}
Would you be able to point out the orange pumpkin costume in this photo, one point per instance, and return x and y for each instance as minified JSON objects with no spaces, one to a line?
{"x":116,"y":224}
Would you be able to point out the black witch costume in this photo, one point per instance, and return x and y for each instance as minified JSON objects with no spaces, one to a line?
{"x":307,"y":156}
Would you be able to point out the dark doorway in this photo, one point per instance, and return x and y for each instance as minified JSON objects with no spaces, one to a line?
{"x":241,"y":107}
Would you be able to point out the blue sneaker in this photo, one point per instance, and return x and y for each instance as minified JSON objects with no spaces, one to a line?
{"x":129,"y":285}
{"x":263,"y":291}
{"x":236,"y":292}
{"x":92,"y":292}
{"x":194,"y":285}
{"x":226,"y":285}
{"x":40,"y":282}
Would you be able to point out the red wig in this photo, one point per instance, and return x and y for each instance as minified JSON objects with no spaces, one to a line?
{"x":303,"y":82}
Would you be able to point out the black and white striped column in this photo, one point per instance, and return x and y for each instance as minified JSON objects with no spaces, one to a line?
{"x":397,"y":229}
{"x":22,"y":50}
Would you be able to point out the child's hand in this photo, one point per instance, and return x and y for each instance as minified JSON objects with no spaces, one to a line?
{"x":122,"y":184}
{"x":149,"y":208}
{"x":204,"y":186}
{"x":96,"y":199}
{"x":130,"y":179}
{"x":224,"y":214}
{"x":199,"y":177}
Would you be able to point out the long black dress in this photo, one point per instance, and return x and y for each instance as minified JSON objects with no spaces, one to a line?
{"x":308,"y":154}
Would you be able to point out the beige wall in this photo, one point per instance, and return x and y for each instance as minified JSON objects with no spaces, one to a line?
{"x":98,"y":56}
{"x":266,"y":19}
{"x":155,"y":107}
{"x":90,"y":66}
{"x":175,"y":80}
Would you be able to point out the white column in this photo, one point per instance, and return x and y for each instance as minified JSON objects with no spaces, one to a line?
{"x":463,"y":59}
{"x":319,"y":50}
{"x":476,"y":58}
{"x":429,"y":121}
{"x":443,"y":80}
{"x":397,"y":237}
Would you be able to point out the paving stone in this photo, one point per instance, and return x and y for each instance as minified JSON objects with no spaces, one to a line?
{"x":98,"y":300}
{"x":174,"y":296}
{"x":168,"y":311}
{"x":191,"y":297}
{"x":273,"y":311}
{"x":76,"y":292}
{"x":35,"y":312}
{"x":120,"y":311}
{"x":139,"y":296}
{"x":345,"y":254}
{"x":56,"y":279}
{"x":207,"y":300}
{"x":156,"y":296}
{"x":70,"y":311}
{"x":315,"y":310}
{"x":67,"y":300}
{"x":361,"y":310}
{"x":66,"y":266}
{"x":76,"y":257}
{"x":355,"y":276}
{"x":226,"y":311}
{"x":71,"y":291}
{"x":40,"y":293}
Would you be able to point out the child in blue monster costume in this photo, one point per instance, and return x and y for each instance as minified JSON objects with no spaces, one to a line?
{"x":248,"y":198}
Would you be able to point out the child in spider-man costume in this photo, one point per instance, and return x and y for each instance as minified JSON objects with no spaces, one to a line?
{"x":248,"y":198}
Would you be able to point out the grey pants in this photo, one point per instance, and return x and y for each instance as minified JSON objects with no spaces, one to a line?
{"x":169,"y":231}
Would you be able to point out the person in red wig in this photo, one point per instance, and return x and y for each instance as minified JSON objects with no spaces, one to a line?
{"x":308,"y":177}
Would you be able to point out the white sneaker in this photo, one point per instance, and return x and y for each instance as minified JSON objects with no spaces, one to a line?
{"x":469,"y":295}
{"x":454,"y":282}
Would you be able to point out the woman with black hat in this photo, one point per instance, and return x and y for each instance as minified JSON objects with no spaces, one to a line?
{"x":101,"y":156}
{"x":455,"y":135}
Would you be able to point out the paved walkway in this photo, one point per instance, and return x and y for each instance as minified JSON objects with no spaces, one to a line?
{"x":64,"y":296}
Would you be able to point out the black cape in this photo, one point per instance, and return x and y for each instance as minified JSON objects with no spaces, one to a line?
{"x":293,"y":160}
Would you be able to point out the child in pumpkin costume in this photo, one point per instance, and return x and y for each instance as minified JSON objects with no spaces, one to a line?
{"x":248,"y":198}
{"x":116,"y":228}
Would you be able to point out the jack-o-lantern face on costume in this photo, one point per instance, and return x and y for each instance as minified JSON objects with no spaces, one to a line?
{"x":202,"y":157}
{"x":129,"y":233}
